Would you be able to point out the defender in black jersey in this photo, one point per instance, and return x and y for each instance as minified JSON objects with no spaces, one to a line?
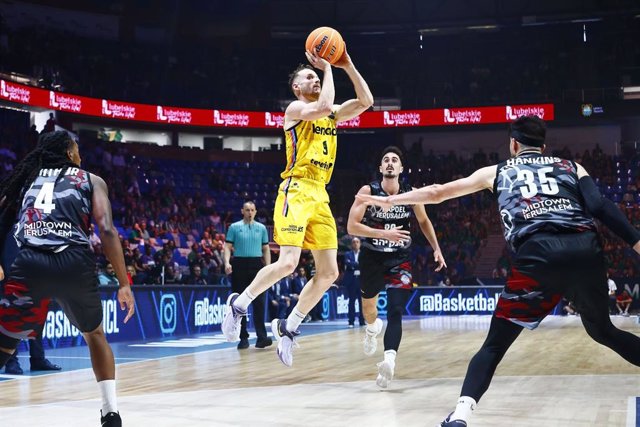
{"x":54,"y":201}
{"x":546,"y":204}
{"x":385,"y":258}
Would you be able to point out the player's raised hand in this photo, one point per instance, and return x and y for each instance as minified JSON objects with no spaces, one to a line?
{"x":345,"y":60}
{"x":316,"y":61}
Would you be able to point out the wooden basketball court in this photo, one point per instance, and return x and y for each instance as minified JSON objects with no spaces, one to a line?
{"x":554,"y":376}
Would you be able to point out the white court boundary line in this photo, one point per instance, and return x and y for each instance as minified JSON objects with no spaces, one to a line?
{"x":631,"y":411}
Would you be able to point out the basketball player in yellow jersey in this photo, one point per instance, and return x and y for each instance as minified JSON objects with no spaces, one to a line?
{"x":302,"y":218}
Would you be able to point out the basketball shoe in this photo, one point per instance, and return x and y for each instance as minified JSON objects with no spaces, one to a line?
{"x":371,"y":333}
{"x":112,"y":419}
{"x":448,"y":422}
{"x":286,"y":341}
{"x":232,"y":318}
{"x":385,"y":373}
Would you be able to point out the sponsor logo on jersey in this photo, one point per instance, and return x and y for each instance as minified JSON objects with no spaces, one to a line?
{"x":322,"y":165}
{"x":319,"y":130}
{"x":292,"y":229}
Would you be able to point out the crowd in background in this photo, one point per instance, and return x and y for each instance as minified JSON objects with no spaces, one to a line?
{"x":171,"y":238}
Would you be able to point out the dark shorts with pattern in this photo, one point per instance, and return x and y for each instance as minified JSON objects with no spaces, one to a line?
{"x":546,"y":268}
{"x":36,"y":277}
{"x":383,"y":270}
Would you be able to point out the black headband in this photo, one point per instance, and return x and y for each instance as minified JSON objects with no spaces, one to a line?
{"x":526,"y":140}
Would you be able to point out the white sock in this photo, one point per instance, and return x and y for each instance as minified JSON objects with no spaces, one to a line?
{"x":466,"y":405}
{"x":108,"y":392}
{"x":243,"y":301}
{"x":371,"y":328}
{"x":295,"y":318}
{"x":390,"y":356}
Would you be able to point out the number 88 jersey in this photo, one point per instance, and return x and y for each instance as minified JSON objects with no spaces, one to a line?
{"x":56,"y":210}
{"x":538,"y":193}
{"x":397,"y":216}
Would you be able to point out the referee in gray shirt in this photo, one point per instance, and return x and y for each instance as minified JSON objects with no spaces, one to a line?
{"x":249,"y":242}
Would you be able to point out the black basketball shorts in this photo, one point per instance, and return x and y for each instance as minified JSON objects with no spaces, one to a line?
{"x":36,"y":277}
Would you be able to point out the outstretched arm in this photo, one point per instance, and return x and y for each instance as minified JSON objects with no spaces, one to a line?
{"x":364,"y":98}
{"x":433,"y":194}
{"x":607,"y":211}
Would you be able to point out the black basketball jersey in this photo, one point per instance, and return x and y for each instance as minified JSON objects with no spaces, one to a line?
{"x":538,"y":193}
{"x":397,"y":216}
{"x":56,"y":213}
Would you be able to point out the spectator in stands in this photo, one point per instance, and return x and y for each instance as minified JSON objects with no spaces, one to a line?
{"x":623,"y":303}
{"x":194,"y":257}
{"x":207,"y":243}
{"x":171,"y":275}
{"x":351,"y":282}
{"x":612,"y":294}
{"x":108,"y":276}
{"x":196,"y":278}
{"x":50,"y":125}
{"x":131,"y":274}
{"x":280,"y":297}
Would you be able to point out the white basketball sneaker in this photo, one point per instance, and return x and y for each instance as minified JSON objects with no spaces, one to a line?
{"x":371,"y":333}
{"x":232,"y":318}
{"x":385,"y":373}
{"x":286,"y":341}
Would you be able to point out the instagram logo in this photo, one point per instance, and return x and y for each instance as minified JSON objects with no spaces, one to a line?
{"x":168,"y":313}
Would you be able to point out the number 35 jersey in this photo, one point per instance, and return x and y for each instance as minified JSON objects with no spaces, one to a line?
{"x":56,"y":213}
{"x":538,"y":193}
{"x":311,"y":149}
{"x":397,"y":216}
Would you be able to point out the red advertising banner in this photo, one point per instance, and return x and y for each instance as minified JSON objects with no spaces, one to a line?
{"x":36,"y":97}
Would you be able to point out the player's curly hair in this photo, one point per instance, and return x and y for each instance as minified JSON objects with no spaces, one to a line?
{"x":50,"y":152}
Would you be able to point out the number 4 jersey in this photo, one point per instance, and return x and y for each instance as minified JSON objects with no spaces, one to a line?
{"x":56,"y":210}
{"x":538,"y":193}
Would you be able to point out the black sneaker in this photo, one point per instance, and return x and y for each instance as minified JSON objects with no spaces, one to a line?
{"x":265,"y":342}
{"x":13,"y":369}
{"x":448,"y":422}
{"x":244,"y":343}
{"x":112,"y":419}
{"x":45,"y":365}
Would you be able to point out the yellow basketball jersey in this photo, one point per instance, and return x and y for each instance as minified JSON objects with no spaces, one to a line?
{"x":311,"y":149}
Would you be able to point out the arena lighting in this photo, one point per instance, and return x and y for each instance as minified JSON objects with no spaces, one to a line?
{"x":631,"y":92}
{"x":482,"y":27}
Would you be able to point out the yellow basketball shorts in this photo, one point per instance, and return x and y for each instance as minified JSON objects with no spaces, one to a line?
{"x":302,"y":216}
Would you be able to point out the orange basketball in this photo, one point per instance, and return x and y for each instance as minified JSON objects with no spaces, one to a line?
{"x":327,"y":43}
